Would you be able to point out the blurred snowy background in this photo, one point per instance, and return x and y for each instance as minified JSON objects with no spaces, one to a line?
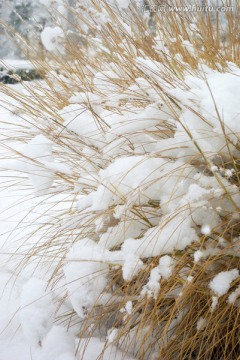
{"x":29,"y":18}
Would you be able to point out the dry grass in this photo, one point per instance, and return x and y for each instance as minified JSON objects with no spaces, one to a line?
{"x":164,"y":327}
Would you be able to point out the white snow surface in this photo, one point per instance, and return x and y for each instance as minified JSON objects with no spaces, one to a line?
{"x":85,"y":279}
{"x":37,"y":310}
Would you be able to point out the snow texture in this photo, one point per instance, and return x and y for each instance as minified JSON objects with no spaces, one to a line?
{"x":51,"y":38}
{"x":37,"y":311}
{"x":221,"y":283}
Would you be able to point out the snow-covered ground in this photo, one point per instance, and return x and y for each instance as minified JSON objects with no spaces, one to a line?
{"x":15,"y":64}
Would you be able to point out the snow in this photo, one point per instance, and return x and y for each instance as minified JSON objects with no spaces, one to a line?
{"x":82,"y":122}
{"x":28,"y":305}
{"x":46,"y":3}
{"x":126,"y":189}
{"x":201,"y":324}
{"x":85,"y":279}
{"x":212,"y":96}
{"x":51,"y":38}
{"x":132,"y":266}
{"x":38,"y":162}
{"x":234,"y":295}
{"x":112,"y":334}
{"x":59,"y":344}
{"x":123,"y":3}
{"x":189,"y":47}
{"x":37,"y":311}
{"x":152,"y":287}
{"x":197,"y":256}
{"x":205,"y":230}
{"x":172,"y":233}
{"x":95,"y":348}
{"x":214,"y":303}
{"x":214,"y":168}
{"x":39,"y":149}
{"x":129,"y":307}
{"x":126,"y":174}
{"x":15,"y":64}
{"x":163,"y":270}
{"x":104,"y":81}
{"x":221,"y":283}
{"x":165,"y":266}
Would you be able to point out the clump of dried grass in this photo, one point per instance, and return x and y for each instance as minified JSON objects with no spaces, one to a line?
{"x":165,"y":327}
